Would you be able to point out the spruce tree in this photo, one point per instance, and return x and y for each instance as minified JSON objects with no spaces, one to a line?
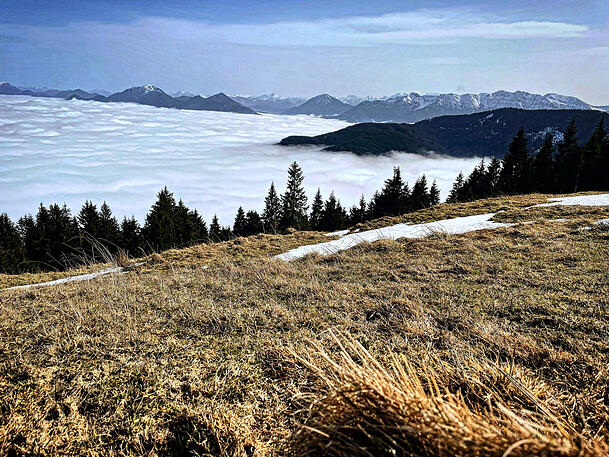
{"x":63,"y":235}
{"x":568,"y":160}
{"x":493,"y":174}
{"x":28,"y":232}
{"x":476,"y":184}
{"x":455,"y":193}
{"x":215,"y":231}
{"x":272,"y":210}
{"x":239,"y":224}
{"x":394,"y":198}
{"x":198,"y":227}
{"x":357,"y":213}
{"x":160,"y":226}
{"x":226,"y":233}
{"x":434,"y":194}
{"x":294,"y":201}
{"x":317,"y":208}
{"x":333,"y":215}
{"x":131,"y":236}
{"x":515,"y":175}
{"x":43,"y":241}
{"x":594,"y":160}
{"x":544,"y":179}
{"x":11,"y":246}
{"x":253,"y":223}
{"x":109,"y":230}
{"x":374,"y":208}
{"x":89,"y":220}
{"x":419,"y":197}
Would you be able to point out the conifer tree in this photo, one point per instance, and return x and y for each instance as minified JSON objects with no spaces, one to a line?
{"x":226,"y":233}
{"x":160,"y":227}
{"x":357,"y":213}
{"x":434,"y":194}
{"x":393,"y":200}
{"x":89,"y":219}
{"x":373,"y":209}
{"x":198,"y":227}
{"x":294,"y":201}
{"x":272,"y":210}
{"x":515,"y":175}
{"x":544,"y":179}
{"x":568,"y":160}
{"x":253,"y":223}
{"x":333,"y":215}
{"x":455,"y":193}
{"x":131,"y":237}
{"x":28,"y":233}
{"x":594,"y":160}
{"x":215,"y":231}
{"x":419,"y":197}
{"x":11,"y":247}
{"x":63,"y":234}
{"x":43,"y":242}
{"x":493,"y":174}
{"x":109,"y":230}
{"x":476,"y":184}
{"x":317,"y":208}
{"x":239,"y":224}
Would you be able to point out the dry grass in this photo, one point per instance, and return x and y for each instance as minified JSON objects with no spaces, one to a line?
{"x":186,"y":355}
{"x":418,"y":407}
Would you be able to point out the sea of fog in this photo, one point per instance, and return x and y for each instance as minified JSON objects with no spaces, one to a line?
{"x":68,"y":151}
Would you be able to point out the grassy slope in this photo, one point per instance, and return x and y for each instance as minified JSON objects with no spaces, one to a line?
{"x":189,"y":353}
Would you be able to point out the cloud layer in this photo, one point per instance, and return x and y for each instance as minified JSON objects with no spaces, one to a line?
{"x":68,"y":151}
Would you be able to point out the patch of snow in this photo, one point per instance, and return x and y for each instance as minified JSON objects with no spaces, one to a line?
{"x":579,"y":200}
{"x":449,"y":226}
{"x":602,"y":222}
{"x":85,"y":277}
{"x":340,"y":233}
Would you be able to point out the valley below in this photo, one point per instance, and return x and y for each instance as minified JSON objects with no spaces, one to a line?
{"x":54,"y":150}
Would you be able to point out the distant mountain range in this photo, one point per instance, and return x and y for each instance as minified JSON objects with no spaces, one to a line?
{"x":414,"y":107}
{"x":410,"y":107}
{"x":480,"y":134}
{"x":143,"y":95}
{"x":321,"y":105}
{"x":271,"y":103}
{"x":400,"y":107}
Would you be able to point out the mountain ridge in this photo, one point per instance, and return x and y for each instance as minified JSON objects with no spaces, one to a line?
{"x":467,"y":135}
{"x":144,"y":95}
{"x":399,"y":107}
{"x":321,"y":105}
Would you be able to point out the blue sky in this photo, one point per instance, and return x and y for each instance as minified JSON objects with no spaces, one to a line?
{"x":309,"y":47}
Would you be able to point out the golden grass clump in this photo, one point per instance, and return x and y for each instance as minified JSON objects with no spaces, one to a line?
{"x":414,"y":407}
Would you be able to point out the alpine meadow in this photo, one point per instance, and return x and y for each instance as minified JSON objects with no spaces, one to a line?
{"x":304,"y":229}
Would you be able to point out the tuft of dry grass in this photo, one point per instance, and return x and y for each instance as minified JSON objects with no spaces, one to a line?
{"x":429,"y":408}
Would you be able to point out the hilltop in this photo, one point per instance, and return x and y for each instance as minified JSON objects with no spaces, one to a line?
{"x":467,"y":135}
{"x":223,"y":349}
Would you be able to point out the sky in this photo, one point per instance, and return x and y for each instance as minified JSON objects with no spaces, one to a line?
{"x":304,"y":48}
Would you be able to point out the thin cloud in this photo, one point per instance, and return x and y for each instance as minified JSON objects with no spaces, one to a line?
{"x":419,"y":27}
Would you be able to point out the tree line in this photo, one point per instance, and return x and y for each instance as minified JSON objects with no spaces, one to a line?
{"x":55,"y":239}
{"x":557,"y":167}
